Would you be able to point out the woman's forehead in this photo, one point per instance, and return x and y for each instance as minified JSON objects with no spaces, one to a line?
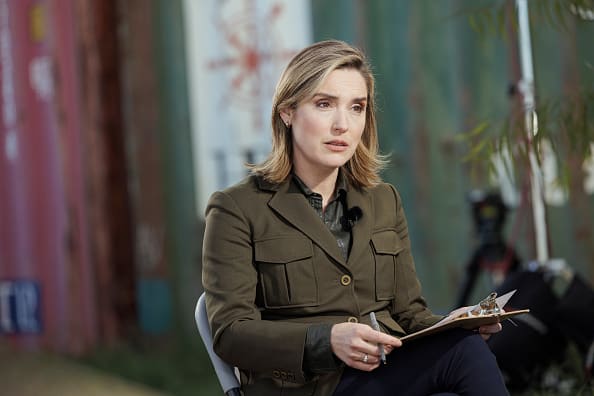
{"x":341,"y":82}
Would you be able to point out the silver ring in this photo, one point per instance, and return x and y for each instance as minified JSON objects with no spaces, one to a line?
{"x":365,"y":358}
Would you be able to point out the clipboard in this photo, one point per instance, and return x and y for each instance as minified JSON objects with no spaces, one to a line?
{"x":488,"y":311}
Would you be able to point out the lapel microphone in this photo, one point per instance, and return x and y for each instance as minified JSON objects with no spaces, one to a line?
{"x":351,"y":217}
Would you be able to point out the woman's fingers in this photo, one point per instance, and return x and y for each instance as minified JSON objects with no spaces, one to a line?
{"x":488,"y":330}
{"x":357,"y":345}
{"x":378,"y":337}
{"x":364,"y":361}
{"x":388,"y":349}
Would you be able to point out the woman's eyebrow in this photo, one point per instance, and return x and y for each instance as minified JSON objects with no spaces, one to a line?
{"x":334,"y":97}
{"x":325,"y":95}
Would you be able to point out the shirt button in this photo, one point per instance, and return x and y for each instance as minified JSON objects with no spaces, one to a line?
{"x":352,"y":319}
{"x":345,"y":280}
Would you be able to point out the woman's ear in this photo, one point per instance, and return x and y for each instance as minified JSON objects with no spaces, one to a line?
{"x":286,"y":116}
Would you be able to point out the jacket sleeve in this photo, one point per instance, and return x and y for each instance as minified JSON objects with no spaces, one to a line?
{"x":319,"y":358}
{"x":229,"y":277}
{"x":410,"y":308}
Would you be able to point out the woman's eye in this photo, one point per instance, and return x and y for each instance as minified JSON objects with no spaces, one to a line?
{"x":358,"y":108}
{"x":323,"y":104}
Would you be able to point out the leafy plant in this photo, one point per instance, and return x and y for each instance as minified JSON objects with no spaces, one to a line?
{"x":564,"y":123}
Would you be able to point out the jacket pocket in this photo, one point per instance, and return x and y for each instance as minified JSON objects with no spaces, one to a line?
{"x":391,"y":325}
{"x":386,"y":246}
{"x":287,"y":272}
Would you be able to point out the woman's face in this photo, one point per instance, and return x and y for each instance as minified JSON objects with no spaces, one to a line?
{"x":327,"y":128}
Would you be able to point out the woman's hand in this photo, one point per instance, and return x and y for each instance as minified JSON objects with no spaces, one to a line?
{"x":488,"y":330}
{"x":356,"y":345}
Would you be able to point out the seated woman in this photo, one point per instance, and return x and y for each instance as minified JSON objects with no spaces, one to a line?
{"x":298,"y":255}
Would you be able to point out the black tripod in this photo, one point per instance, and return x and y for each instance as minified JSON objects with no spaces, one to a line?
{"x":493,"y":254}
{"x":558,"y":316}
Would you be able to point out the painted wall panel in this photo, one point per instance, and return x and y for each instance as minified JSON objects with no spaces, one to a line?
{"x":235,"y":53}
{"x":437,"y":78}
{"x":42,"y":206}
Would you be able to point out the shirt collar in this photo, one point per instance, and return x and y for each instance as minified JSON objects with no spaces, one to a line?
{"x":340,"y":188}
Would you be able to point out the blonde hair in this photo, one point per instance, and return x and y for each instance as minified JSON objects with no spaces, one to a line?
{"x":299,"y":81}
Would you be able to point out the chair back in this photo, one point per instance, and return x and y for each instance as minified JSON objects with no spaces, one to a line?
{"x":225,"y":372}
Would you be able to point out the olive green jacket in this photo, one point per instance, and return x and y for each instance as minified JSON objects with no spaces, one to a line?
{"x":271,"y":268}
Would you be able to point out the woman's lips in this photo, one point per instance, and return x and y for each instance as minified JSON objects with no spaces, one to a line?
{"x":337,"y":145}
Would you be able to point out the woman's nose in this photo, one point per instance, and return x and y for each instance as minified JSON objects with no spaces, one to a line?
{"x":340,"y":122}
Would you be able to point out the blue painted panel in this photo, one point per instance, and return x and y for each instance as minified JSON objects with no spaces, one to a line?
{"x":154,"y":305}
{"x":20,"y":302}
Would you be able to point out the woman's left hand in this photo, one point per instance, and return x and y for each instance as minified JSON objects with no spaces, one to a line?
{"x":488,"y":330}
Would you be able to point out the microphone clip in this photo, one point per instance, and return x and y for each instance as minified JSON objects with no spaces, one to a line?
{"x":350,"y":218}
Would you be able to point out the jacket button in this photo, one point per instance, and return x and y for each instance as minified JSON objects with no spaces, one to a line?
{"x":352,"y":319}
{"x":276,"y":374}
{"x":345,"y":280}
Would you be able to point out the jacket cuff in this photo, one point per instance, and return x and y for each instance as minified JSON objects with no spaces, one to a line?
{"x":318,"y":356}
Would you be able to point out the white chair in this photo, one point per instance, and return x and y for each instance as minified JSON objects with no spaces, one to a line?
{"x":225,"y":373}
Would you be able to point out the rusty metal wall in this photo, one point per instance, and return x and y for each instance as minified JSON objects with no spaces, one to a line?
{"x":97,"y":209}
{"x":67,"y":259}
{"x":43,"y":227}
{"x":142,"y":117}
{"x":104,"y":145}
{"x":98,"y":234}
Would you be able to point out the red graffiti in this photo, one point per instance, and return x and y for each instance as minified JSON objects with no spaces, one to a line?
{"x":254,"y":52}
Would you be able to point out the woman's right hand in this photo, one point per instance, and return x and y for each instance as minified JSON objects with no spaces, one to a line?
{"x":351,"y":342}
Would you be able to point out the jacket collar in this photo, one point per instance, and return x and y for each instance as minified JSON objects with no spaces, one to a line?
{"x":290,"y":203}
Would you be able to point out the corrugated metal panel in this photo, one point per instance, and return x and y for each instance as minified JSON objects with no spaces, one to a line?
{"x":184,"y":232}
{"x":144,"y":155}
{"x":436,"y":78}
{"x":107,"y":169}
{"x":79,"y":284}
{"x":42,"y":210}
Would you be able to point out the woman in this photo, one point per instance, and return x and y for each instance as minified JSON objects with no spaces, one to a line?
{"x":298,"y":255}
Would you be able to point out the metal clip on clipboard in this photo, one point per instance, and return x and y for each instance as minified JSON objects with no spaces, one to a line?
{"x":491,"y":305}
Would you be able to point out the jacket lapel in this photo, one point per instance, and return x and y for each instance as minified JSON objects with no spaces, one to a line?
{"x":361,"y":231}
{"x":291,"y":204}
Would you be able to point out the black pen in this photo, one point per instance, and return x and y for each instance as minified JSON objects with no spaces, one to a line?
{"x":376,"y":327}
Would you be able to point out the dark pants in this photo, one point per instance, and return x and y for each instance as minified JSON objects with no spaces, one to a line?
{"x":455,"y":361}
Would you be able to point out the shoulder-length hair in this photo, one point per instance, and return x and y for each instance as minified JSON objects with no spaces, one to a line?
{"x":299,"y":82}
